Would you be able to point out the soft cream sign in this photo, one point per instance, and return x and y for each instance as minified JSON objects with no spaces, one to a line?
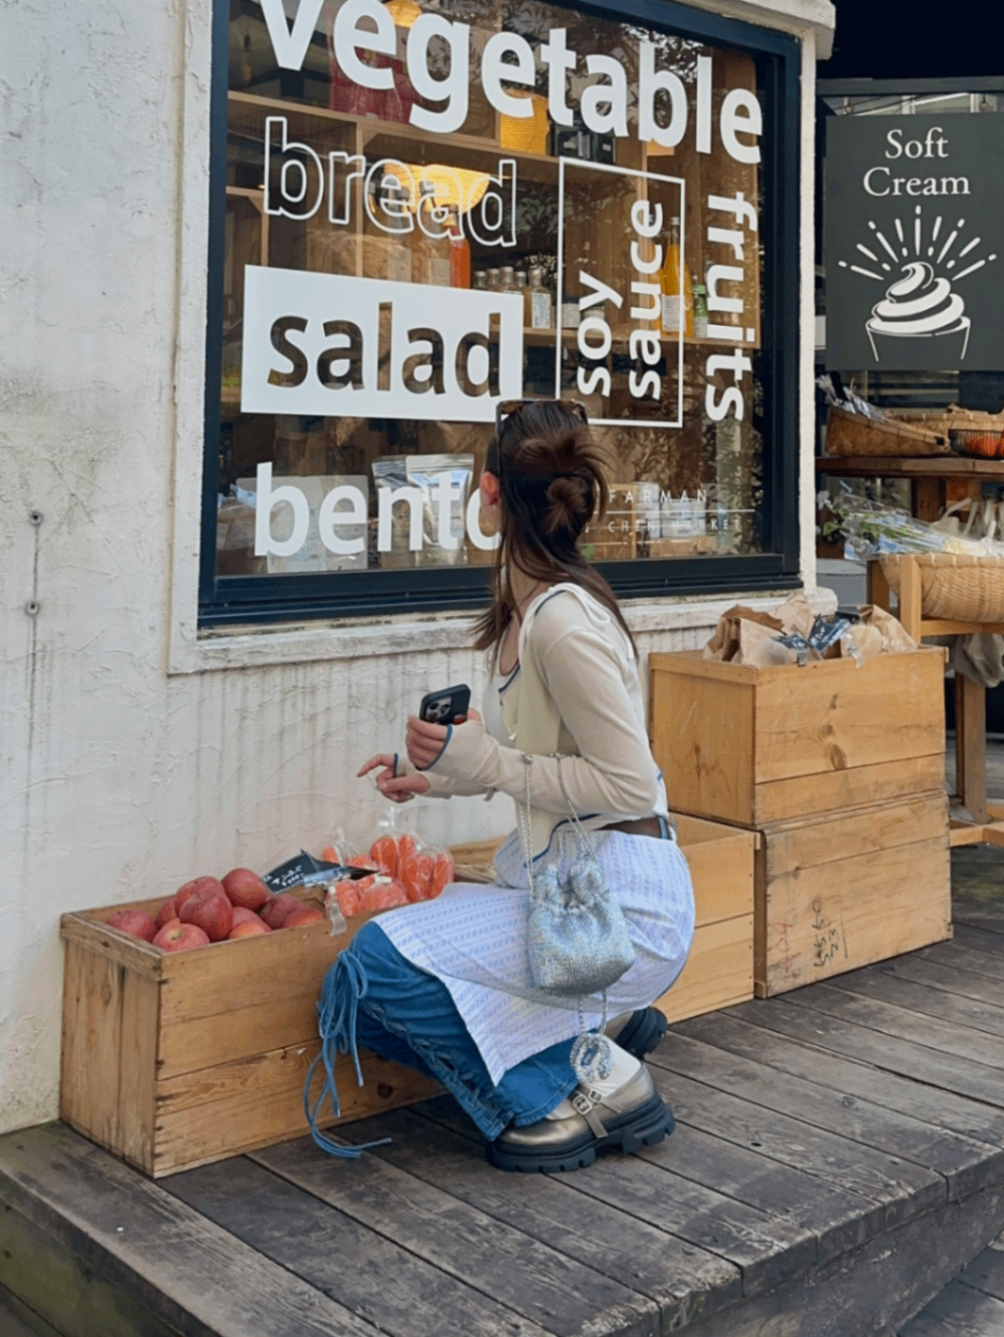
{"x":334,"y":345}
{"x":914,"y":264}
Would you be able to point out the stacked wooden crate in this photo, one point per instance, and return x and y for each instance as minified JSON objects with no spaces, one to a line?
{"x":839,"y":769}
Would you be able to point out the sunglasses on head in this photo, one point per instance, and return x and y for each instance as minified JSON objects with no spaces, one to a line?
{"x":505,"y":408}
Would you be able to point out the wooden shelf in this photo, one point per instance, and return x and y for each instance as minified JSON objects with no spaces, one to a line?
{"x":892,"y":466}
{"x":389,"y":138}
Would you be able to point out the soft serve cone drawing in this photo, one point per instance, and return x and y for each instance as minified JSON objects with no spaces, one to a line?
{"x":920,"y":306}
{"x":920,"y":301}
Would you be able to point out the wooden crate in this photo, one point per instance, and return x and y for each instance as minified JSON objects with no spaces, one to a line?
{"x":719,"y":969}
{"x":755,"y":746}
{"x":843,"y":891}
{"x":172,"y":1060}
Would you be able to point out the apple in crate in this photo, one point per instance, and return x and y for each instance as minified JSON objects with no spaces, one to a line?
{"x":277,"y":908}
{"x":245,"y":888}
{"x":243,"y":916}
{"x":197,"y":886}
{"x":166,"y":913}
{"x":251,"y":927}
{"x":212,"y":913}
{"x":177,"y":937}
{"x":309,"y":914}
{"x":137,"y":923}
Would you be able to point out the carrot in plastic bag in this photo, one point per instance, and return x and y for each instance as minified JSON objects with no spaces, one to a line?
{"x":406,"y":847}
{"x":442,"y":874}
{"x":384,"y":894}
{"x":347,"y":896}
{"x":415,"y":871}
{"x":407,"y":873}
{"x":359,"y":861}
{"x":330,"y":854}
{"x":383,"y":853}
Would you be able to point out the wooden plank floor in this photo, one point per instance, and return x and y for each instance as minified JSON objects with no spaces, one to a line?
{"x":838,"y":1162}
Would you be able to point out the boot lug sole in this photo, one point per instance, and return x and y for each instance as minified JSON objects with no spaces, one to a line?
{"x":645,"y":1127}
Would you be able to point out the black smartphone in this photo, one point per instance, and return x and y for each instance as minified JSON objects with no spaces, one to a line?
{"x":450,"y":706}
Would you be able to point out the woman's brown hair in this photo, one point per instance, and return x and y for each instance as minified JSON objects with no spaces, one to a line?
{"x":552,"y":484}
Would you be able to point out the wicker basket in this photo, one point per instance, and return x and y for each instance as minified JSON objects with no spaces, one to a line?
{"x":852,"y":434}
{"x":955,"y":587}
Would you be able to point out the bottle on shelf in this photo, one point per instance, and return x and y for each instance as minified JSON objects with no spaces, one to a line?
{"x":460,"y":255}
{"x":700,"y":311}
{"x":493,"y":280}
{"x":480,"y":281}
{"x":677,"y":290}
{"x":521,"y":280}
{"x":537,"y":303}
{"x":507,"y":279}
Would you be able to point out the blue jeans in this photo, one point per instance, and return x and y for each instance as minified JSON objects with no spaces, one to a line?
{"x":374,"y":997}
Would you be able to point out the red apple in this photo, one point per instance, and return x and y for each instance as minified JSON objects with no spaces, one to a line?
{"x":137,"y":923}
{"x":308,"y":915}
{"x":276,"y":908}
{"x":196,"y":885}
{"x":249,"y":928}
{"x":213,"y":914}
{"x":166,"y":913}
{"x":176,"y":937}
{"x":243,"y":916}
{"x":245,"y":888}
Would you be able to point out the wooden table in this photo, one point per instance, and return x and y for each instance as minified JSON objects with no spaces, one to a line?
{"x":940,"y":481}
{"x":987,"y":824}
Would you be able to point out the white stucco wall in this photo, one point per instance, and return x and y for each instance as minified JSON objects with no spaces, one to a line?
{"x":132,"y":755}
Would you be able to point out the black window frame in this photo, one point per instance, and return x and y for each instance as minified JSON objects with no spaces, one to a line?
{"x":231,"y":600}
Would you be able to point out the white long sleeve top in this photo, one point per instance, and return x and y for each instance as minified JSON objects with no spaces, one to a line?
{"x":578,"y":694}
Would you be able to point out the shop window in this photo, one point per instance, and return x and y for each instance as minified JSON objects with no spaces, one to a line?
{"x":420,"y":209}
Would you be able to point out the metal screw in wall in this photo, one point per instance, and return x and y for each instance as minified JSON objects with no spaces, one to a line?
{"x":33,"y":608}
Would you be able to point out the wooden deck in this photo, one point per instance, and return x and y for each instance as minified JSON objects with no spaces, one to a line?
{"x":838,"y":1159}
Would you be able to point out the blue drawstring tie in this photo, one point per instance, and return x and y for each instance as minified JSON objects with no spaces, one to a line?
{"x":344,"y":985}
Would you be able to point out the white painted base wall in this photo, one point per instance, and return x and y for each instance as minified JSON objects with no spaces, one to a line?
{"x":118,"y":780}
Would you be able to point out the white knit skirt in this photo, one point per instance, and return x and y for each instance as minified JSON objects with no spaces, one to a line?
{"x":473,"y":938}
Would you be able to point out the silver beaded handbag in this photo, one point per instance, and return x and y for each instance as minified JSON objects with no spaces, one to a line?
{"x":577,"y":935}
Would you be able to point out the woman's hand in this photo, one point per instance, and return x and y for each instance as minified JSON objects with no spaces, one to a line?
{"x":397,"y":788}
{"x":425,"y":741}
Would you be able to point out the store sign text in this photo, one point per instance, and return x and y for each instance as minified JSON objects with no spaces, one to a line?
{"x":298,"y":182}
{"x":363,"y":28}
{"x":346,"y":508}
{"x":333,"y":345}
{"x":881,"y":181}
{"x":733,"y":241}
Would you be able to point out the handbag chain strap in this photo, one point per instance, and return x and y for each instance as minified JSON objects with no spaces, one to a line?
{"x":526,"y":827}
{"x":580,"y":829}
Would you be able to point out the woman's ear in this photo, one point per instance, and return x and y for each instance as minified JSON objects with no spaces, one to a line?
{"x":490,"y":491}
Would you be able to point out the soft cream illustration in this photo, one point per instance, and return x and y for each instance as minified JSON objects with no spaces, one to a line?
{"x":918,"y":305}
{"x":920,"y":266}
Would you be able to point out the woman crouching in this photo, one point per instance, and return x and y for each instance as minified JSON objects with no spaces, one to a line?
{"x":449,"y":986}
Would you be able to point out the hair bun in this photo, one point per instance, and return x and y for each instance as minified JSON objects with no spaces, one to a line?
{"x":569,"y":505}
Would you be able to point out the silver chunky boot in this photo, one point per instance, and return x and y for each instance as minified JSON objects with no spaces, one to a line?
{"x":634,"y":1116}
